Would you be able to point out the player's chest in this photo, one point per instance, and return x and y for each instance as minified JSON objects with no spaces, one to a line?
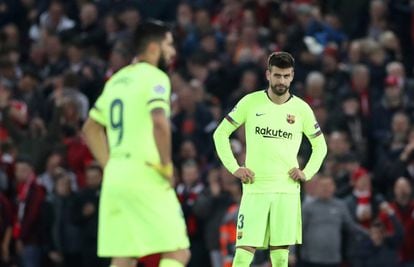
{"x":279,"y":122}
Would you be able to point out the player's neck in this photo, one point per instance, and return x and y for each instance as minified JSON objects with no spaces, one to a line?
{"x":278,"y":99}
{"x":145,"y":58}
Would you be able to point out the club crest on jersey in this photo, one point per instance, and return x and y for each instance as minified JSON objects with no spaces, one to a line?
{"x":290,"y":118}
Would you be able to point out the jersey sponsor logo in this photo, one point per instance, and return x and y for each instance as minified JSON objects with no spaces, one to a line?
{"x":159,"y":89}
{"x":290,"y":118}
{"x":259,"y":114}
{"x":273,"y":133}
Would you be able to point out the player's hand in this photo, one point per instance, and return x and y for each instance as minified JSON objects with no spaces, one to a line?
{"x":297,"y":175}
{"x":166,"y":170}
{"x":245,"y":175}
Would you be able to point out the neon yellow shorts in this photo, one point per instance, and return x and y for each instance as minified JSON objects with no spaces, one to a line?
{"x":270,"y":219}
{"x":139,"y":214}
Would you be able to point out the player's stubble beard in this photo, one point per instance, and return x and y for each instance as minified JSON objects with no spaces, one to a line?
{"x":279,"y":89}
{"x":162,"y":63}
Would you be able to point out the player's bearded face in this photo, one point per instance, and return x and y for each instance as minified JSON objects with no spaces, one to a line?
{"x":167,"y":52}
{"x":279,"y":80}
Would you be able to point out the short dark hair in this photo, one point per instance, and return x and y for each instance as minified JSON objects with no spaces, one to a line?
{"x":24,"y":158}
{"x":151,"y":31}
{"x":281,"y":60}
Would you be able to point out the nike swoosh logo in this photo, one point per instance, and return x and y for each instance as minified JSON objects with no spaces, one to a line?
{"x":259,"y":114}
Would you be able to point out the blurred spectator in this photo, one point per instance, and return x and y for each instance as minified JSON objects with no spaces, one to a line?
{"x":325,"y":216}
{"x":349,"y":119}
{"x":228,"y":227}
{"x":315,"y":89}
{"x":211,"y":206}
{"x":193,"y":120}
{"x":14,"y":112}
{"x":378,"y":18}
{"x":380,"y":248}
{"x":27,"y":227}
{"x":394,"y":100}
{"x":63,"y":246}
{"x":393,"y":144}
{"x":53,"y":170}
{"x":403,"y":206}
{"x":6,"y":223}
{"x":360,"y":85}
{"x":363,"y":203}
{"x":85,"y":215}
{"x":53,"y":20}
{"x":88,"y":31}
{"x":188,"y":191}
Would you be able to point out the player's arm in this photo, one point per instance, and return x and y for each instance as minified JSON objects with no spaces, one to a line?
{"x":319,"y":148}
{"x":95,"y":138}
{"x":222,"y":142}
{"x":158,"y":105}
{"x":94,"y":131}
{"x":162,"y":136}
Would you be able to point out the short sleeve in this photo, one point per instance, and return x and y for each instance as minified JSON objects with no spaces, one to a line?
{"x":159,"y":93}
{"x":310,"y":126}
{"x":97,"y":112}
{"x":237,"y":116}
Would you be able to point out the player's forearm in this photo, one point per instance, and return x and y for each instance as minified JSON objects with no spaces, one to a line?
{"x":96,"y":140}
{"x":222,"y":143}
{"x":162,"y":136}
{"x":319,"y":150}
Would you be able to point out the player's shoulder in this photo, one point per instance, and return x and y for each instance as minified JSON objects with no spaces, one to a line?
{"x":300,"y":103}
{"x":151,"y":70}
{"x":253,"y":97}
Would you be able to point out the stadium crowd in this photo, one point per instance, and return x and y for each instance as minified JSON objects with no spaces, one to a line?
{"x":354,"y":66}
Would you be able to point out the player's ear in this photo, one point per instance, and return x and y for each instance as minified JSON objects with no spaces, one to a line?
{"x":268,"y":74}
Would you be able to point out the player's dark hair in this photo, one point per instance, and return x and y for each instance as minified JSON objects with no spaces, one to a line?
{"x":147,"y":32}
{"x":281,"y":60}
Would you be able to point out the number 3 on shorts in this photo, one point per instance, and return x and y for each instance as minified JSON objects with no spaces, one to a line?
{"x":240,"y":223}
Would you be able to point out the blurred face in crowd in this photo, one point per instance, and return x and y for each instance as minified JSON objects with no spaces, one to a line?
{"x":93,"y":177}
{"x":190,"y":174}
{"x":279,"y":79}
{"x":350,"y":106}
{"x":338,"y":143}
{"x":325,"y":188}
{"x":184,"y":15}
{"x":55,"y":13}
{"x":396,"y":69}
{"x":63,"y":186}
{"x":402,"y":191}
{"x":360,"y":77}
{"x":393,"y":92}
{"x":88,"y":14}
{"x":22,"y":171}
{"x":249,"y":81}
{"x":376,"y":233}
{"x":188,"y":150}
{"x":315,"y":83}
{"x":354,"y":52}
{"x":130,"y":18}
{"x":363,"y":183}
{"x":400,"y":125}
{"x":53,"y":46}
{"x":54,"y":161}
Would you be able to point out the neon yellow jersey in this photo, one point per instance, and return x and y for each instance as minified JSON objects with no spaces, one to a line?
{"x":124,"y":108}
{"x":273,"y":138}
